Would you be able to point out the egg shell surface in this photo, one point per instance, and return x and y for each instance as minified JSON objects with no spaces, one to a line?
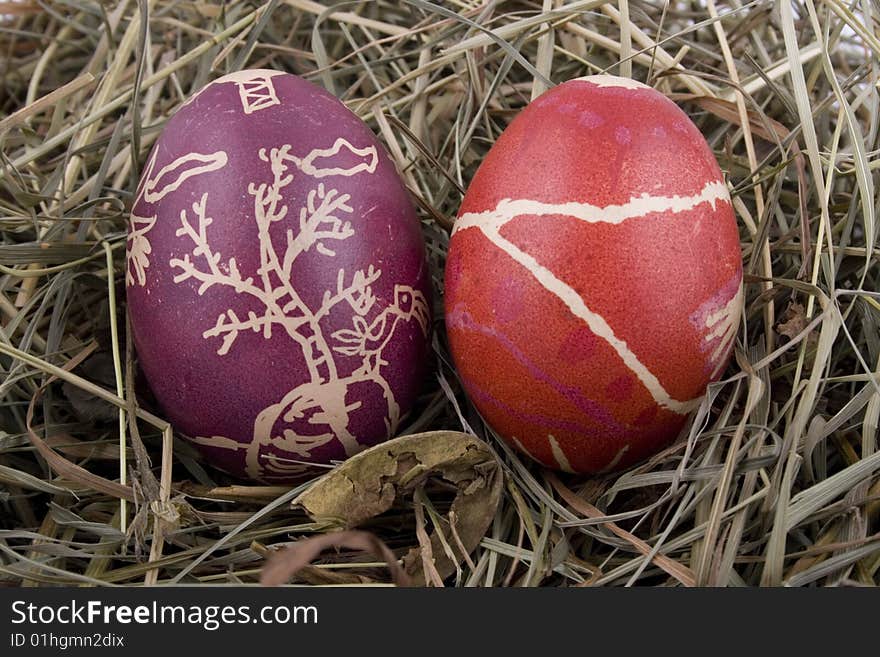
{"x":276,"y":278}
{"x":594,"y":277}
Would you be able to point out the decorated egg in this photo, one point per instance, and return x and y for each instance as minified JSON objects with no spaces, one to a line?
{"x":593,"y":281}
{"x":276,"y":278}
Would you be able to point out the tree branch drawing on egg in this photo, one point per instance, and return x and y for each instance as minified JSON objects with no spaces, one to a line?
{"x":321,"y":224}
{"x":155,"y":186}
{"x":139,"y":249}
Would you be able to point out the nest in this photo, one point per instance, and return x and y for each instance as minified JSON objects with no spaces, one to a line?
{"x":775,"y":480}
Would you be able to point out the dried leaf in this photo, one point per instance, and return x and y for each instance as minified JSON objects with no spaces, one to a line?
{"x":284,"y":564}
{"x":793,"y":321}
{"x":367,"y":485}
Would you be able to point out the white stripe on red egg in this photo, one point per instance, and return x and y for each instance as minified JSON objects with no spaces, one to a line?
{"x":525,"y":450}
{"x":613,"y":463}
{"x":559,"y":455}
{"x":613,"y":81}
{"x":719,"y":323}
{"x":490,"y":223}
{"x":639,"y":206}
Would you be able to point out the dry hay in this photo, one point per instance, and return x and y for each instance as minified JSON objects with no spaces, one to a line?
{"x":774,"y":482}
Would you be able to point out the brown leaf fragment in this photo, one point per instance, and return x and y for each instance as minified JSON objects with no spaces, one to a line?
{"x":368,"y":484}
{"x":284,"y":564}
{"x":792,"y":322}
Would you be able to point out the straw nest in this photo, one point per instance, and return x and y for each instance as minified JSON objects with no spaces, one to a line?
{"x":775,"y":481}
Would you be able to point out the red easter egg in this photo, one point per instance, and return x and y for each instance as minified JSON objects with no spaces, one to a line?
{"x":594,"y":276}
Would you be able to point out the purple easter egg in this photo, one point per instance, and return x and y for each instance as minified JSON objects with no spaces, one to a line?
{"x":276,"y":276}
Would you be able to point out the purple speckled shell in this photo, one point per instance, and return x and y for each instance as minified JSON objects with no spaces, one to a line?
{"x":276,"y":278}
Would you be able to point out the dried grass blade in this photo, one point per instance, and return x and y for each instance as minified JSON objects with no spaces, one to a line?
{"x":682,"y":573}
